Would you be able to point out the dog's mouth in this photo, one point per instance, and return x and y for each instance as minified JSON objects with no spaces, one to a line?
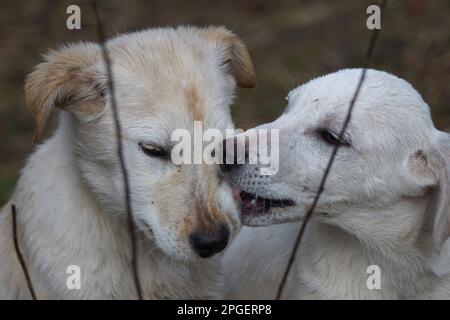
{"x":252,"y":204}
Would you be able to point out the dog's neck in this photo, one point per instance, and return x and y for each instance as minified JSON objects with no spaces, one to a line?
{"x":62,"y":224}
{"x":403,"y":255}
{"x":391,"y":229}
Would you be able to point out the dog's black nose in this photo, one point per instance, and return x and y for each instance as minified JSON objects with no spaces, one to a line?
{"x":207,"y":244}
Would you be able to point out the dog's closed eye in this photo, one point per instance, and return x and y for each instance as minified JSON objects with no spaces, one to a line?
{"x":332,"y":138}
{"x":153,"y":150}
{"x":226,"y":62}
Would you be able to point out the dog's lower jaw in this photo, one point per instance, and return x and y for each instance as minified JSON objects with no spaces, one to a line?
{"x":62,"y":225}
{"x":273,"y":216}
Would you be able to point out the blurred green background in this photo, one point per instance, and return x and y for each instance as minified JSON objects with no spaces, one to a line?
{"x":290,"y":42}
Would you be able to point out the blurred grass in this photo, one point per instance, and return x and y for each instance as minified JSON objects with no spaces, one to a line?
{"x":290,"y":42}
{"x":7,"y":184}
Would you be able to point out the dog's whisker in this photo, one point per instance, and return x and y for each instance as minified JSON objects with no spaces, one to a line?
{"x":291,"y":84}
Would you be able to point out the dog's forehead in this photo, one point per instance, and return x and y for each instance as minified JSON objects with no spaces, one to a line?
{"x":163,"y":58}
{"x":170,"y":79}
{"x":160,"y":114}
{"x":383,"y":98}
{"x":175,"y":103}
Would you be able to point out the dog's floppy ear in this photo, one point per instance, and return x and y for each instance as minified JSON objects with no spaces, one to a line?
{"x":236,"y":53}
{"x":67,"y":79}
{"x":434,"y":168}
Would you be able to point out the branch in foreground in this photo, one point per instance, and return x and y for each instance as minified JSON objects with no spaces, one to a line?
{"x":126,"y":183}
{"x":19,"y":253}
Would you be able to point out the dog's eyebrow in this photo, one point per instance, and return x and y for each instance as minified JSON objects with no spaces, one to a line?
{"x":328,"y":120}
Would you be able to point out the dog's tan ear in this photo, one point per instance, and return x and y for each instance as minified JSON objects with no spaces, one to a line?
{"x":67,"y":79}
{"x":236,"y":53}
{"x":434,"y":168}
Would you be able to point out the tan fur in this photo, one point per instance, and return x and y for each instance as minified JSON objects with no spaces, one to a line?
{"x":241,"y":63}
{"x":70,"y":196}
{"x":63,"y":80}
{"x":194,"y":103}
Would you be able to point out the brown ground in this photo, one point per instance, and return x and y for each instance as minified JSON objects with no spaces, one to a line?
{"x":290,"y":41}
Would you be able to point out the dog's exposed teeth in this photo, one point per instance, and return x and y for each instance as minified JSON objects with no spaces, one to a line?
{"x":253,"y":204}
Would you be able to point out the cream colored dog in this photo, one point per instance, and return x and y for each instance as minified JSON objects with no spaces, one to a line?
{"x":70,"y":197}
{"x":381,"y":227}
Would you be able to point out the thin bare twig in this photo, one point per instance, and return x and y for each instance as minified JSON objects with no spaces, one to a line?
{"x":126,"y":182}
{"x":311,"y":209}
{"x":19,"y":253}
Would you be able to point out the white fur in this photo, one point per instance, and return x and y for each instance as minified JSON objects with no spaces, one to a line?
{"x":70,"y":199}
{"x":384,"y":203}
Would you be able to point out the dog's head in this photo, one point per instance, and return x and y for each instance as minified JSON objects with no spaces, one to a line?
{"x":390,"y":175}
{"x":164,"y":79}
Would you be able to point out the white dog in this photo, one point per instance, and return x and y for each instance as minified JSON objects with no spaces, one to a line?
{"x":70,"y":197}
{"x":379,"y":230}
